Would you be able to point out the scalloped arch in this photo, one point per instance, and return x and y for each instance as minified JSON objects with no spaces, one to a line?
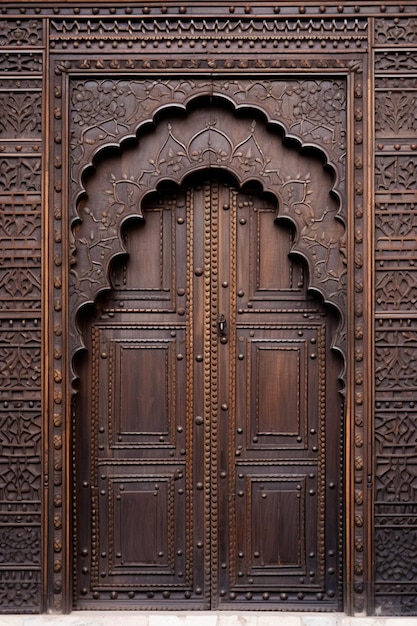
{"x":244,"y":144}
{"x":80,"y":166}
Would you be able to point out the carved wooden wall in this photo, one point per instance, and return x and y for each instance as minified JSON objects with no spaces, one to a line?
{"x":395,"y":315}
{"x":61,"y":69}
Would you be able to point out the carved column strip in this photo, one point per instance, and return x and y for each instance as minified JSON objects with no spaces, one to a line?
{"x":395,"y":315}
{"x":359,"y":388}
{"x":59,"y":400}
{"x":21,"y":147}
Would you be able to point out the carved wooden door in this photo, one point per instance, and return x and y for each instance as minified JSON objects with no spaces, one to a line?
{"x":208,"y":418}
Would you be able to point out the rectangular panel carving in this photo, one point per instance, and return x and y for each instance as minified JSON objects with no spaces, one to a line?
{"x":142,"y":401}
{"x":396,"y":256}
{"x":21,"y":62}
{"x":24,"y":107}
{"x":20,"y":591}
{"x":142,"y":398}
{"x":396,"y":470}
{"x":21,"y":32}
{"x":396,"y":31}
{"x":395,"y":173}
{"x":395,"y":228}
{"x":265,"y":272}
{"x":142,"y":540}
{"x":148,"y":271}
{"x":395,"y":61}
{"x":20,"y":253}
{"x":279,"y":505}
{"x":270,"y":258}
{"x":278,"y":534}
{"x":396,"y":358}
{"x":20,"y":173}
{"x":396,"y":113}
{"x":20,"y":362}
{"x":278,"y":386}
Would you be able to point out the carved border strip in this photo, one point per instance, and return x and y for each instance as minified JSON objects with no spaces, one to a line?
{"x":395,"y":316}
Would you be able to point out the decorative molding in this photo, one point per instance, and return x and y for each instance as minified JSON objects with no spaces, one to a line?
{"x":174,"y":150}
{"x":395,"y":318}
{"x":210,"y":33}
{"x":89,"y":71}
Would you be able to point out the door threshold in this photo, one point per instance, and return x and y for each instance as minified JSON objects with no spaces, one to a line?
{"x":203,"y":618}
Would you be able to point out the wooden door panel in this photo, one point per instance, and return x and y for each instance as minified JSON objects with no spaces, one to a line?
{"x":140,"y":386}
{"x":277,"y":398}
{"x":140,"y":528}
{"x":138,"y":411}
{"x":276,"y":547}
{"x":265,"y":271}
{"x":278,"y":541}
{"x":149,"y":274}
{"x":142,"y":542}
{"x":277,"y":522}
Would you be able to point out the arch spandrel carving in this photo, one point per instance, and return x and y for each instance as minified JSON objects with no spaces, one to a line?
{"x":109,"y":111}
{"x":201,"y":138}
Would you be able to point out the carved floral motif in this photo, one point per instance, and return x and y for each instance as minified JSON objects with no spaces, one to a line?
{"x":20,"y":62}
{"x":395,"y":113}
{"x":24,"y":114}
{"x":20,"y":174}
{"x":396,"y":31}
{"x":396,"y":363}
{"x":395,"y":172}
{"x":396,"y":551}
{"x":108,"y":110}
{"x":248,"y":150}
{"x":20,"y":33}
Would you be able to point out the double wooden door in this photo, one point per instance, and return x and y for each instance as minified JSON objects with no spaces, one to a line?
{"x":207,"y":423}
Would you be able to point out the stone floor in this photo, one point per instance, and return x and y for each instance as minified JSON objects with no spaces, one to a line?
{"x":138,"y":618}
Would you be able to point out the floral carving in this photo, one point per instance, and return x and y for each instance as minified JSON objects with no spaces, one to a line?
{"x":396,"y":31}
{"x":248,"y":150}
{"x":20,"y":174}
{"x":20,"y":32}
{"x":107,"y":110}
{"x":395,"y":172}
{"x":24,"y":114}
{"x":395,"y":113}
{"x":396,"y":290}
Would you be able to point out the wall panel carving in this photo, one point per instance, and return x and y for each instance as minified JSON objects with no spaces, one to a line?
{"x":395,"y":312}
{"x":21,"y":480}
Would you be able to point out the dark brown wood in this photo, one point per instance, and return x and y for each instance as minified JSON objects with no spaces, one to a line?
{"x":207,"y":458}
{"x":76,"y":82}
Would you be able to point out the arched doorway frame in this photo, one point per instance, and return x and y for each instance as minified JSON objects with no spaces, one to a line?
{"x":58,"y":573}
{"x":166,"y":154}
{"x":208,"y":139}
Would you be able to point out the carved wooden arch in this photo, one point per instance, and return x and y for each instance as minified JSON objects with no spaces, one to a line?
{"x":184,"y":140}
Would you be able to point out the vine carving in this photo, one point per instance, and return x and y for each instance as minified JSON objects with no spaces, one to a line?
{"x":172,"y":151}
